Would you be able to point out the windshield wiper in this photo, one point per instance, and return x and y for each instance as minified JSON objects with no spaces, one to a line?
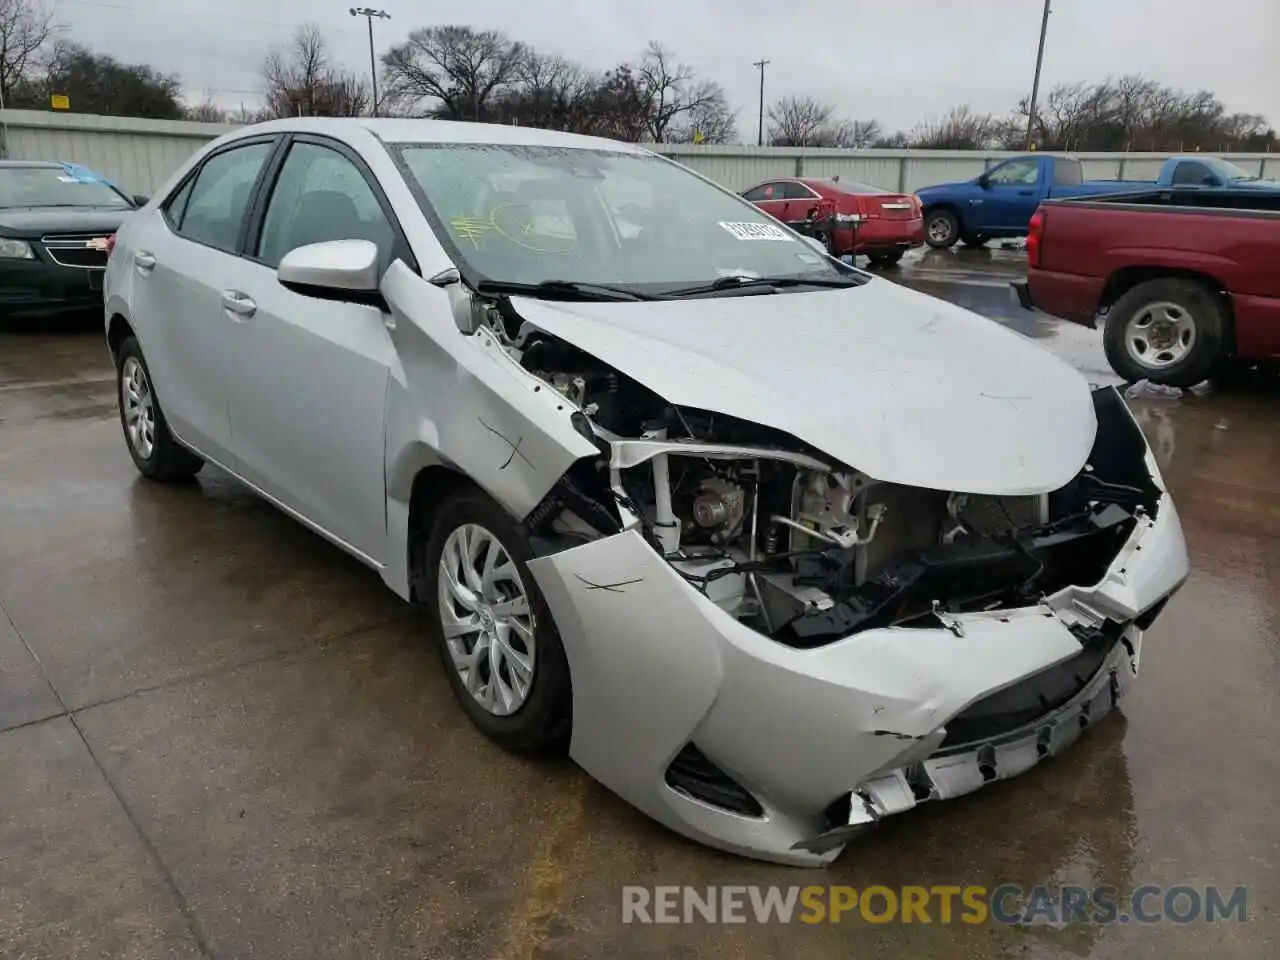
{"x":557,"y":289}
{"x":737,"y":282}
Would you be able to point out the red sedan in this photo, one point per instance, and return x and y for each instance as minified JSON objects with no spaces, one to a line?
{"x":852,"y":217}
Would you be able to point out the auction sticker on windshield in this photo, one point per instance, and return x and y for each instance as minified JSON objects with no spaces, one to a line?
{"x":756,"y":231}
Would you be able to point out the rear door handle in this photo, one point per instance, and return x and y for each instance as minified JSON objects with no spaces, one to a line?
{"x":240,"y":305}
{"x":144,"y":261}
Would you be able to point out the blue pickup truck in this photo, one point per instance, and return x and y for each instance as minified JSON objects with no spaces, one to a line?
{"x":1000,"y":202}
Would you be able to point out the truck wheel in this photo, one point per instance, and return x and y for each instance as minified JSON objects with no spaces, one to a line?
{"x":883,"y":259}
{"x":941,"y":229}
{"x":974,"y":241}
{"x":1167,"y":331}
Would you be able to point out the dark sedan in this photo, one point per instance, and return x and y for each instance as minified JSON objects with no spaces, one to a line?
{"x":57,"y":221}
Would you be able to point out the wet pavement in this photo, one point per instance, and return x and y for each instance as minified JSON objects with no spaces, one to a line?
{"x":221,"y":737}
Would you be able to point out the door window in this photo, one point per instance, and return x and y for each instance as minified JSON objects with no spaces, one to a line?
{"x":766,"y":191}
{"x":216,"y":207}
{"x":1020,"y":173}
{"x":321,"y":195}
{"x":797,"y":191}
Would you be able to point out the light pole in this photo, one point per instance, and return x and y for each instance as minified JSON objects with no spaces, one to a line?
{"x":760,"y":129}
{"x":369,"y":13}
{"x":1035,"y":84}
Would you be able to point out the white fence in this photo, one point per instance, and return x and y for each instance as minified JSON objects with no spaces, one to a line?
{"x":140,"y":154}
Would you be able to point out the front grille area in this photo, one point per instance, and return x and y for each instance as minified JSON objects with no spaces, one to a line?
{"x":1025,"y":702}
{"x":693,"y":774}
{"x":86,"y":251}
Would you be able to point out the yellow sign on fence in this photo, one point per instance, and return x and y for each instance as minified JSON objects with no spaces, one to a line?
{"x":60,"y":101}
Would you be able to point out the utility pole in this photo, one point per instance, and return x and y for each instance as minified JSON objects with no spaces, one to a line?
{"x":760,"y":130}
{"x":369,"y":13}
{"x":1035,"y":84}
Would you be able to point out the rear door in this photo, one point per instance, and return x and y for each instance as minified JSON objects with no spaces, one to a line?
{"x":309,"y":379}
{"x":184,"y":258}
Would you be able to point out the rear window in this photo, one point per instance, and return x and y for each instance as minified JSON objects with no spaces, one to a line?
{"x":1068,"y":173}
{"x":853,"y":187}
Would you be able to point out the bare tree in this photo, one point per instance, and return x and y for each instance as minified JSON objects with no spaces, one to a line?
{"x":302,"y":80}
{"x":958,"y":129}
{"x":457,"y":66}
{"x":206,"y":111}
{"x":675,"y":94}
{"x":25,"y":27}
{"x":798,"y":121}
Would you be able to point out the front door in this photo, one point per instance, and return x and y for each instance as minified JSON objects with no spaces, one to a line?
{"x":309,"y":384}
{"x":1012,"y":195}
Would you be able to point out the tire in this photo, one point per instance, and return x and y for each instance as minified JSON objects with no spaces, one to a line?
{"x":542,"y":719}
{"x":1199,"y":333}
{"x":892,"y":258}
{"x":941,"y":229}
{"x":156,"y":454}
{"x":975,"y":242}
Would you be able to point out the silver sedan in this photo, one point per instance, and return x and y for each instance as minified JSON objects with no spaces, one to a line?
{"x":773,"y":547}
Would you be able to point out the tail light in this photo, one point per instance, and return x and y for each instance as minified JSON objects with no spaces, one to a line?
{"x":919,"y":207}
{"x":111,"y":245}
{"x":1034,"y":237}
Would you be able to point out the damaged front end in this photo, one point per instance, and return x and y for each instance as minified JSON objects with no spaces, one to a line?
{"x":771,"y":650}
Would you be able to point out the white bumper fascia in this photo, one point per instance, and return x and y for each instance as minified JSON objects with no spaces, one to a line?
{"x":655,"y":665}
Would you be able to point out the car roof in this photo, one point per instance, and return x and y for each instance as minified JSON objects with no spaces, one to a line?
{"x":415,"y":130}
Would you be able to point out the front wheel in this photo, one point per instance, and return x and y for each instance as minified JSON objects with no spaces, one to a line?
{"x":499,"y":645}
{"x":1169,"y":331}
{"x":156,"y":454}
{"x":941,"y":229}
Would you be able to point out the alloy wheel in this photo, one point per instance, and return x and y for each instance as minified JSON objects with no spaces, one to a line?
{"x":486,"y":619}
{"x":138,"y":404}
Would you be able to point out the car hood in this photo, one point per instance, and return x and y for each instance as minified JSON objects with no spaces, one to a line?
{"x":904,"y":387}
{"x":923,"y":191}
{"x":34,"y":222}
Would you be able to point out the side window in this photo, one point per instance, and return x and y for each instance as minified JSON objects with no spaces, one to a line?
{"x":766,"y":191}
{"x":220,"y":197}
{"x":176,"y":205}
{"x":1190,"y":171}
{"x":1019,"y":173}
{"x":797,"y":191}
{"x":321,"y":195}
{"x":1068,"y":173}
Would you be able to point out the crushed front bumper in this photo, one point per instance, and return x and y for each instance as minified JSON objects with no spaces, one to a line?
{"x":858,"y":726}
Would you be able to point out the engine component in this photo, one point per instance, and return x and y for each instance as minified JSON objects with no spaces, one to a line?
{"x":719,"y":508}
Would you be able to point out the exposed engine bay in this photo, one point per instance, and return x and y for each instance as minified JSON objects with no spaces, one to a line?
{"x":804,"y":549}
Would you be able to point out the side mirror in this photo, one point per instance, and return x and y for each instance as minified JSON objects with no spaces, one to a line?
{"x":140,"y":201}
{"x":984,"y":181}
{"x":333,"y":270}
{"x":1209,"y":180}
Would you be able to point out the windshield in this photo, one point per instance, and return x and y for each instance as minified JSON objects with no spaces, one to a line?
{"x":854,"y":188}
{"x":1229,"y":170}
{"x":55,"y":187}
{"x":521,"y":214}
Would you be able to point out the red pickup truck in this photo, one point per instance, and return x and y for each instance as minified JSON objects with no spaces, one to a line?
{"x":1185,"y":280}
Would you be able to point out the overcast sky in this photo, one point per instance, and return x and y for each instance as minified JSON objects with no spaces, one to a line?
{"x":897,"y":61}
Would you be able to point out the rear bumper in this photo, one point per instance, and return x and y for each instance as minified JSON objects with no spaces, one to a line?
{"x":1063,"y":295}
{"x":881,"y":235}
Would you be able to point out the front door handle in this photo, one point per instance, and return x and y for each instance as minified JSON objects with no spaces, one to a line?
{"x":1026,"y":193}
{"x":144,"y":261}
{"x":239,"y":305}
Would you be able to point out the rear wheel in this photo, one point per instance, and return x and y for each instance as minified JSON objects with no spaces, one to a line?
{"x":499,"y":645}
{"x":885,"y":258}
{"x":1168,"y":331}
{"x":941,"y":229}
{"x":156,"y":454}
